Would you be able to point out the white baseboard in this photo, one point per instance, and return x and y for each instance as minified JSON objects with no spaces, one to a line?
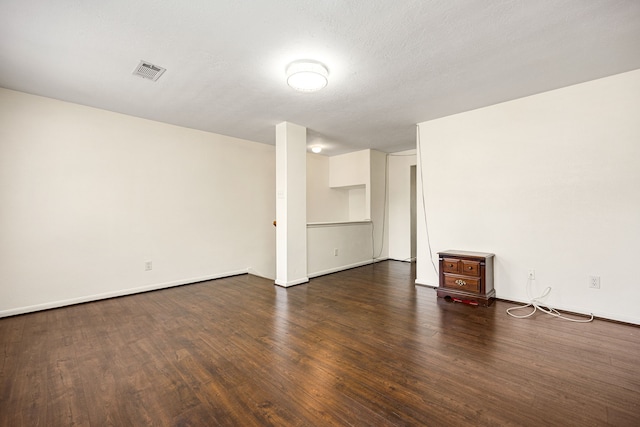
{"x":345,"y":267}
{"x":422,"y":283}
{"x":118,"y":293}
{"x":292,"y":282}
{"x":566,"y":308}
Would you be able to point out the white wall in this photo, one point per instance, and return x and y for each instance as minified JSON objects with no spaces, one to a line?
{"x":351,"y":172}
{"x":550,"y":182}
{"x":88,"y":196}
{"x":352,"y":240}
{"x":350,"y":169}
{"x":400,"y":204}
{"x":291,"y":204}
{"x":324,"y":204}
{"x":358,"y":192}
{"x":378,"y":196}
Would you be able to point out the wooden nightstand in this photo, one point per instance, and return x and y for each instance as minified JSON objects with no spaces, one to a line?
{"x":467,"y":276}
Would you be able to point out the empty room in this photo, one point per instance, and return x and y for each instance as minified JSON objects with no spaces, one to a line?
{"x":297,"y":213}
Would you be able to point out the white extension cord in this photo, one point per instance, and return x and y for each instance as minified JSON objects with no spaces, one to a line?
{"x":536,"y":304}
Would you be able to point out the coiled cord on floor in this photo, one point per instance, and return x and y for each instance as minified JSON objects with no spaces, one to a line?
{"x":536,"y":304}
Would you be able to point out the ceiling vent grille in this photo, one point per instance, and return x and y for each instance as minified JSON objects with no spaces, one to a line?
{"x":149,"y":71}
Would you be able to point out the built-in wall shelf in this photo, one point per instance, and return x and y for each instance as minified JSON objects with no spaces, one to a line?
{"x":337,"y":223}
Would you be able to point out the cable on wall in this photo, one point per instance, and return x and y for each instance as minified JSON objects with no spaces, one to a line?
{"x":385,"y":207}
{"x":424,"y":207}
{"x":374,"y":257}
{"x":537,"y":304}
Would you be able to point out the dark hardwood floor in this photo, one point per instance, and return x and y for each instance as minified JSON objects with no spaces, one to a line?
{"x":364,"y":347}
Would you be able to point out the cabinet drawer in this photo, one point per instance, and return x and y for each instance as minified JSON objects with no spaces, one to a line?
{"x":471,"y":268}
{"x":469,"y":284}
{"x":451,"y":265}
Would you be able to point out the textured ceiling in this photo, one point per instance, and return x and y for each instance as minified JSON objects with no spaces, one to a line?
{"x":392,"y":64}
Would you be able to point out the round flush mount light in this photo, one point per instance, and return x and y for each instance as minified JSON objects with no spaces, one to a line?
{"x":307,"y":75}
{"x":316,"y":149}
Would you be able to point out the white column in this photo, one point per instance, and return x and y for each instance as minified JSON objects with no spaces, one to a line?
{"x":291,"y":204}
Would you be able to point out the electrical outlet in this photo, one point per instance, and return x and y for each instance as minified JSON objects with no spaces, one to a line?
{"x":148,"y":266}
{"x":335,"y":251}
{"x":532,"y":274}
{"x":594,"y":282}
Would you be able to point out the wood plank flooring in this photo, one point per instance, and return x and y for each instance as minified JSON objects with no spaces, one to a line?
{"x":363,"y":347}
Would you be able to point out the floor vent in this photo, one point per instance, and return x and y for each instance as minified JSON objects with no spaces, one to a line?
{"x":148,"y":71}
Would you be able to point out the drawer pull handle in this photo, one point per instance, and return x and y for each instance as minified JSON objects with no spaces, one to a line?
{"x":460,"y":282}
{"x":450,"y":265}
{"x":470,"y":268}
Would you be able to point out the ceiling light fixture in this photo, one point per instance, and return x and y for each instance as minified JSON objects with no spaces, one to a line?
{"x":316,"y":149}
{"x":307,"y":75}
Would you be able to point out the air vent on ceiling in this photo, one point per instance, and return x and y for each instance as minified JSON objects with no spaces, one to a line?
{"x":148,"y":71}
